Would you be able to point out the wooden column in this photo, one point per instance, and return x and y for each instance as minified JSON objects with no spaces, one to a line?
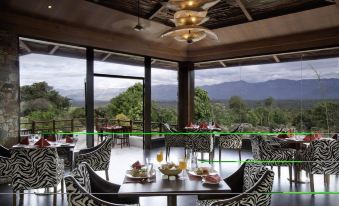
{"x":147,"y":104}
{"x":185,"y":93}
{"x":89,"y":97}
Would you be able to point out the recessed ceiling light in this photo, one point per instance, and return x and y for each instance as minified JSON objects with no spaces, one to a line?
{"x":49,"y":7}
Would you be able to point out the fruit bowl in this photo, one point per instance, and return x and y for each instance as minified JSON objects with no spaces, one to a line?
{"x":170,"y":169}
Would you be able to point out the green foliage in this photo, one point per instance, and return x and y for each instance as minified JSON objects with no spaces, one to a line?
{"x":42,"y":115}
{"x":78,"y":113}
{"x":41,"y":97}
{"x":202,"y":105}
{"x":129,"y":103}
{"x":236,"y":103}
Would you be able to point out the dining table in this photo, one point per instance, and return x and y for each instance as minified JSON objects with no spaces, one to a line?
{"x":193,"y":185}
{"x":64,"y":149}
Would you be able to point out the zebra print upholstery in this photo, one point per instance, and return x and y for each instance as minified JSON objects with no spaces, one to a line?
{"x":78,"y":196}
{"x":35,"y":168}
{"x":94,"y":190}
{"x":173,"y":140}
{"x":231,"y":141}
{"x":5,"y":165}
{"x":203,"y":142}
{"x":321,"y":157}
{"x":257,"y":185}
{"x":262,"y":151}
{"x":98,"y":157}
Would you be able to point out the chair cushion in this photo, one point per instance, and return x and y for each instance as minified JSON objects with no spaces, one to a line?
{"x":236,"y":180}
{"x":4,"y":152}
{"x":252,"y":173}
{"x":81,"y":175}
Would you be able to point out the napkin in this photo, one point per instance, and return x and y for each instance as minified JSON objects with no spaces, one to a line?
{"x":190,"y":125}
{"x":213,"y":178}
{"x":51,"y":138}
{"x":69,"y":139}
{"x":25,"y":141}
{"x":203,"y":125}
{"x":136,"y":165}
{"x":42,"y":143}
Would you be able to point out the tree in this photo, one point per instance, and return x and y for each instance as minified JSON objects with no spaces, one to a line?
{"x":202,"y":105}
{"x":236,"y":103}
{"x":129,"y":103}
{"x":41,"y":97}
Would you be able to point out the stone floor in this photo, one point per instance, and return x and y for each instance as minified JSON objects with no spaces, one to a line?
{"x":122,"y":158}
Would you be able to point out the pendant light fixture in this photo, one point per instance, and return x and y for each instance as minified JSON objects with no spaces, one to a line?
{"x":138,"y":27}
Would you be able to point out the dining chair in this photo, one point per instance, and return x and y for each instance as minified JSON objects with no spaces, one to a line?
{"x":321,"y":157}
{"x":250,"y":185}
{"x":230,"y":141}
{"x":97,"y":157}
{"x":5,"y":165}
{"x":124,"y":138}
{"x":172,"y":139}
{"x":201,"y":140}
{"x":85,"y":187}
{"x":35,"y":168}
{"x":270,"y":155}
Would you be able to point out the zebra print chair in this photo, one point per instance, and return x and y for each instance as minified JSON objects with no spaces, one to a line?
{"x":251,"y":185}
{"x":262,"y":151}
{"x":231,"y":141}
{"x":321,"y":157}
{"x":34,"y":168}
{"x":202,"y":143}
{"x":97,"y":157}
{"x":173,"y":140}
{"x":5,"y":165}
{"x":85,"y":187}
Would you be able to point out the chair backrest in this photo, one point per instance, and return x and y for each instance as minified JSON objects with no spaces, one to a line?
{"x":260,"y":148}
{"x":230,"y":141}
{"x":323,"y":155}
{"x":99,"y":157}
{"x":252,"y":173}
{"x":81,"y":175}
{"x":34,"y":168}
{"x":200,"y":140}
{"x":5,"y":165}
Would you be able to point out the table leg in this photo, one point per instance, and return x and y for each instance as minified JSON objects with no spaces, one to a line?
{"x":171,"y":200}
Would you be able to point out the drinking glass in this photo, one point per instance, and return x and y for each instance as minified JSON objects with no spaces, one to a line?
{"x":183,"y":167}
{"x":160,"y":156}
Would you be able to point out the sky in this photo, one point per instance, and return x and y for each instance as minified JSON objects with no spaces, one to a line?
{"x":69,"y":73}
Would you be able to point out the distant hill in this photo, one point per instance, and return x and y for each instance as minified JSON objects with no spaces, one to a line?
{"x":282,"y":89}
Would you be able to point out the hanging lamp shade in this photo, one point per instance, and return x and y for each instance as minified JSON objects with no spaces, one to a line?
{"x":178,"y":5}
{"x":190,"y":34}
{"x":189,"y":17}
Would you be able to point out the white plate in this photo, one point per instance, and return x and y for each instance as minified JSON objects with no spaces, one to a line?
{"x":211,"y":172}
{"x":132,"y":177}
{"x":210,"y":183}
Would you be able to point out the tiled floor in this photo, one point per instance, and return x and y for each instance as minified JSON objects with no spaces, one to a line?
{"x":122,"y":158}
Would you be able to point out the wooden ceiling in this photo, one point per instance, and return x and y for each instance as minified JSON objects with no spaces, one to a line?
{"x":225,"y":13}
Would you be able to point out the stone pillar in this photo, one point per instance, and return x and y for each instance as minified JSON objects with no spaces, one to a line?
{"x":9,"y":89}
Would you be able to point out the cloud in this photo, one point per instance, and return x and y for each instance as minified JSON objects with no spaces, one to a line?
{"x":69,"y":73}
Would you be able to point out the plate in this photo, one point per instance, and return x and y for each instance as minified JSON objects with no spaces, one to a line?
{"x":209,"y":183}
{"x":211,"y":172}
{"x":132,"y":177}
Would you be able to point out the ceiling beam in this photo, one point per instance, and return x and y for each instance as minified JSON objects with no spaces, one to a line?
{"x":243,"y":8}
{"x":25,"y":46}
{"x":222,"y":64}
{"x":276,"y":59}
{"x":106,"y":57}
{"x":337,"y":2}
{"x":56,"y":47}
{"x":156,"y":12}
{"x":153,"y":61}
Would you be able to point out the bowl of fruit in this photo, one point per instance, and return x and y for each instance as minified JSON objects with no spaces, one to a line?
{"x":170,"y":169}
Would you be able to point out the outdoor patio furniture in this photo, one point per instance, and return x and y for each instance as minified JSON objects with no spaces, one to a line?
{"x":321,"y":157}
{"x":97,"y":157}
{"x":124,"y":137}
{"x":173,"y":140}
{"x":35,"y":168}
{"x":85,"y":187}
{"x":251,"y":184}
{"x":270,"y":155}
{"x":5,"y":165}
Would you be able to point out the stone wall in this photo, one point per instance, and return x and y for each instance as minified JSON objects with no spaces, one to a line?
{"x":9,"y":89}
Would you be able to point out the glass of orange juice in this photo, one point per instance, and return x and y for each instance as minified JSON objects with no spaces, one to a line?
{"x":183,"y":167}
{"x":160,"y":156}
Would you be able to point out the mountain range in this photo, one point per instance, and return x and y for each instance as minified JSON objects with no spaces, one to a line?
{"x":282,"y":89}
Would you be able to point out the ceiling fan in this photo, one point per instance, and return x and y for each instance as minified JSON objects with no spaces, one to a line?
{"x":138,"y":27}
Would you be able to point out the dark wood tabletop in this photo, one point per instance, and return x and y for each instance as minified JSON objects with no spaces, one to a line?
{"x":164,"y":187}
